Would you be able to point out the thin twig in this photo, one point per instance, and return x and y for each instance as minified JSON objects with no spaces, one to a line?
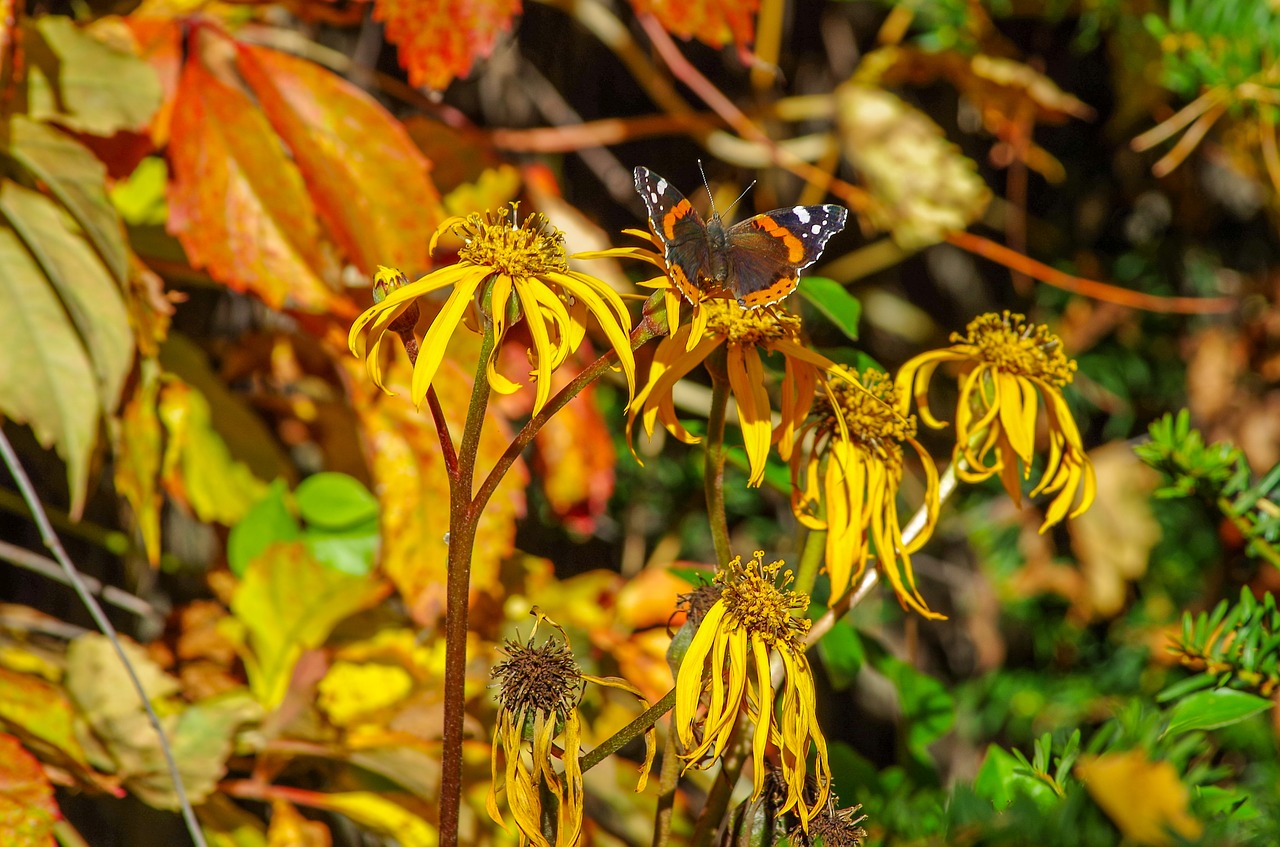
{"x":52,"y":541}
{"x":48,"y":568}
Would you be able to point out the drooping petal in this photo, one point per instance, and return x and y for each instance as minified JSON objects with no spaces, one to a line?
{"x":436,"y":341}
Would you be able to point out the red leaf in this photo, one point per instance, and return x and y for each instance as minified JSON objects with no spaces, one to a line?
{"x":714,"y":22}
{"x":575,"y":460}
{"x":160,"y":46}
{"x":27,"y":807}
{"x":237,"y":201}
{"x":369,"y":181}
{"x":440,"y":39}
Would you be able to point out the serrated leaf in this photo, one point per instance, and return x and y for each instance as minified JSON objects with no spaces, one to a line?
{"x":334,"y":501}
{"x":50,"y":387}
{"x":77,"y":80}
{"x":438,"y":40}
{"x":28,"y":809}
{"x":78,"y":180}
{"x":83,"y":284}
{"x":287,"y":603}
{"x":1214,"y":710}
{"x":237,"y":201}
{"x":370,"y":183}
{"x":835,"y":302}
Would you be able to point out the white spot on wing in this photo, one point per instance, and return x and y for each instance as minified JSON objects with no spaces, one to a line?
{"x":662,"y":187}
{"x":816,"y":228}
{"x":653,"y":197}
{"x":802,"y":213}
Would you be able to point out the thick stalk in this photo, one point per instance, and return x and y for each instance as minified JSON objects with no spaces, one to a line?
{"x":462,"y":535}
{"x":715,"y":457}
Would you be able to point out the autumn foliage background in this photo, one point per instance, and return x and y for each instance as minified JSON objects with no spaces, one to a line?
{"x":194,"y":200}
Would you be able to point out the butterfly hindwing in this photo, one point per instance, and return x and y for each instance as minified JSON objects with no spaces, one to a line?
{"x":767,"y":252}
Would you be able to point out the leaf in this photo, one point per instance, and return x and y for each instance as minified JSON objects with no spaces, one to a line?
{"x":77,"y":80}
{"x":410,"y":476}
{"x":575,"y":460}
{"x":138,"y":449}
{"x":923,"y":187}
{"x":267,"y":521}
{"x":842,"y":654}
{"x":438,"y":40}
{"x":28,"y":810}
{"x":1003,"y":777}
{"x":287,"y":603}
{"x":83,"y":283}
{"x":290,"y":829}
{"x":713,"y":22}
{"x":198,"y":469}
{"x":41,"y":712}
{"x":335,"y":501}
{"x":1214,"y":710}
{"x":78,"y":180}
{"x":237,"y":201}
{"x":835,"y":303}
{"x":50,"y":387}
{"x":382,"y":816}
{"x":370,"y":183}
{"x":1145,"y":799}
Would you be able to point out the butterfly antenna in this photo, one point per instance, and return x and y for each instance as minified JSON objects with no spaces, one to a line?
{"x":712,"y":198}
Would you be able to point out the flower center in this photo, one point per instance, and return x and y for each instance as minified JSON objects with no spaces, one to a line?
{"x":1011,"y":344}
{"x":754,"y":602}
{"x":749,"y":326}
{"x":869,"y":415}
{"x":529,"y":249}
{"x":544,"y":679}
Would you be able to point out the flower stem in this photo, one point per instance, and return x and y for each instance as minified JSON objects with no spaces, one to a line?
{"x":463,"y":519}
{"x":811,"y":558}
{"x":630,"y":732}
{"x":715,"y":457}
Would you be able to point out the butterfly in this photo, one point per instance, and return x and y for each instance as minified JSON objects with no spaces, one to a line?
{"x":757,"y":261}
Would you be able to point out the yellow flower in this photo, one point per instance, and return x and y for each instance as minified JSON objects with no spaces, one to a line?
{"x":538,"y":692}
{"x":743,"y":335}
{"x":728,"y":661}
{"x":1005,"y":364}
{"x":852,"y":471}
{"x":507,"y":271}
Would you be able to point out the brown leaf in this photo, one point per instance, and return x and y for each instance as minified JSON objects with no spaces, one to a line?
{"x":27,"y":808}
{"x":441,"y":39}
{"x":238,"y":203}
{"x":368,"y":180}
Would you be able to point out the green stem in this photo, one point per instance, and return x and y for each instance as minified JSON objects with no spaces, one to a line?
{"x":715,"y":457}
{"x":463,"y":519}
{"x":811,"y":558}
{"x":667,"y":781}
{"x":630,"y":732}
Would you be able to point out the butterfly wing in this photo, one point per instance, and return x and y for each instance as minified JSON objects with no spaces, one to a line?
{"x":681,"y":230}
{"x":767,"y":252}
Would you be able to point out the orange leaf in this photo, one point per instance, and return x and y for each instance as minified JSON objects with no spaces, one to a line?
{"x":440,"y":39}
{"x":27,"y":808}
{"x":714,"y":22}
{"x":160,"y":46}
{"x":575,"y":460}
{"x":1145,"y":799}
{"x":290,"y":829}
{"x":410,"y":478}
{"x":369,"y":181}
{"x":237,"y":201}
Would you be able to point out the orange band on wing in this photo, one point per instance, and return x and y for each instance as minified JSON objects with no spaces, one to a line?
{"x":775,"y":292}
{"x":795,"y":247}
{"x":680,"y":210}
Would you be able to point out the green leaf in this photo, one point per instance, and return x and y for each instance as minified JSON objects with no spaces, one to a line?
{"x":335,"y":501}
{"x":78,"y":180}
{"x":84,"y":284}
{"x":50,"y":387}
{"x":350,"y":551}
{"x":288,"y":603}
{"x":842,"y":654}
{"x":140,"y":198}
{"x":1214,"y":710}
{"x":83,"y":83}
{"x":834,"y":302}
{"x":267,"y":521}
{"x":928,"y":709}
{"x":1003,"y":777}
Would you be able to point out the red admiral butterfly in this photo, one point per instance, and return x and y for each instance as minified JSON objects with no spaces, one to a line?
{"x":758,"y":261}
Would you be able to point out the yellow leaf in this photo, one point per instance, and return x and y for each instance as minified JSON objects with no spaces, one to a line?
{"x":290,"y":829}
{"x":383,"y":817}
{"x":351,"y":692}
{"x":1145,"y":799}
{"x":922,"y":185}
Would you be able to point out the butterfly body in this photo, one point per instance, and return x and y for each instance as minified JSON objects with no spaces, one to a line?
{"x":756,"y":261}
